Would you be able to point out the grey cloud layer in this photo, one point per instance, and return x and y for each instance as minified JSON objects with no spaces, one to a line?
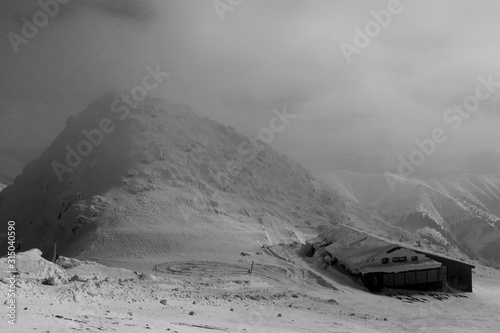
{"x":268,"y":54}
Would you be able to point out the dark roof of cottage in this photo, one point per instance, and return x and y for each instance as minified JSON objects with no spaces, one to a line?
{"x":439,"y":255}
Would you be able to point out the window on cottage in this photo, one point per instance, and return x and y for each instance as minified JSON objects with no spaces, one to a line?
{"x":398,"y":259}
{"x":414,"y":258}
{"x":385,"y":260}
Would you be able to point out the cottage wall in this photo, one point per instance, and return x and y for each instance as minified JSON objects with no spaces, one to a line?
{"x":427,"y":279}
{"x":458,"y":275}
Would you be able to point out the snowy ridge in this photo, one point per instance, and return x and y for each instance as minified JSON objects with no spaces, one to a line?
{"x":456,"y":213}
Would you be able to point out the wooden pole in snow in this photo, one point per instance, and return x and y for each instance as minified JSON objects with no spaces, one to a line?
{"x":55,"y":249}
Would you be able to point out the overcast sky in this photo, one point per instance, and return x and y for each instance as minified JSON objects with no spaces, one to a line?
{"x":265,"y":54}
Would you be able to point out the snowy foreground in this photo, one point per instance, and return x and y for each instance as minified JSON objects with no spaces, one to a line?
{"x":285,"y":293}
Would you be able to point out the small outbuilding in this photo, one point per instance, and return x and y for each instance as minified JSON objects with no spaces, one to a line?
{"x":377,"y":263}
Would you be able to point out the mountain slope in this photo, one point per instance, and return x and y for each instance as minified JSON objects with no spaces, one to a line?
{"x":163,"y":182}
{"x":460,"y":212}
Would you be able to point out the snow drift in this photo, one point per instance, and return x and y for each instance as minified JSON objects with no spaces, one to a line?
{"x":31,"y":265}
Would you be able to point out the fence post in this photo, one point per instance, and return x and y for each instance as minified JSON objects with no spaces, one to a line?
{"x":55,"y":250}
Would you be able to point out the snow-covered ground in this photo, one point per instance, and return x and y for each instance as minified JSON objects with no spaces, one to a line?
{"x":285,"y":296}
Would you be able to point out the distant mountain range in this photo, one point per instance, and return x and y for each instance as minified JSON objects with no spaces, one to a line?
{"x":12,"y":162}
{"x":480,"y":163}
{"x":10,"y":167}
{"x":453,"y":212}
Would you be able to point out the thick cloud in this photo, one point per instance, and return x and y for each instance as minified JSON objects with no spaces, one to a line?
{"x":138,"y":10}
{"x":265,"y":55}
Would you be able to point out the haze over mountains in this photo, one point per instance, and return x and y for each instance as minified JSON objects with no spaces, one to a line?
{"x":161,"y":181}
{"x":13,"y":160}
{"x":437,"y":165}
